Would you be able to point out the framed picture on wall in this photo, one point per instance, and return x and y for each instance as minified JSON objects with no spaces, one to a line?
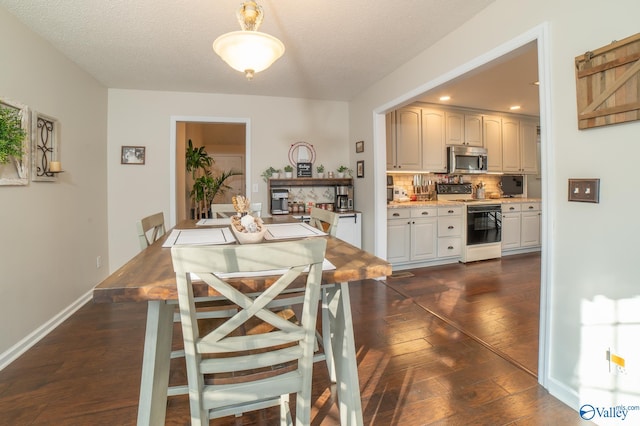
{"x":360,"y":169}
{"x":132,"y":155}
{"x":360,"y":146}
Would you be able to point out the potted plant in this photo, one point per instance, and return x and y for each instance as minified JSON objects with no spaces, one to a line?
{"x":288,"y":171}
{"x":270,"y":173}
{"x":320,"y":170}
{"x":205,"y":185}
{"x":342,"y":170}
{"x":12,"y":135}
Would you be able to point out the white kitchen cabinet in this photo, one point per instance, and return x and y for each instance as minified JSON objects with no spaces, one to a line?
{"x":398,"y":237}
{"x":492,"y":136}
{"x":530,"y":225}
{"x":450,"y":231}
{"x":350,"y":229}
{"x":519,"y":145}
{"x":390,"y":127}
{"x":408,"y":142}
{"x":415,"y":140}
{"x":463,"y":128}
{"x":411,"y":234}
{"x":520,"y":226}
{"x":529,"y":146}
{"x":510,"y":226}
{"x":510,"y":144}
{"x":434,"y":150}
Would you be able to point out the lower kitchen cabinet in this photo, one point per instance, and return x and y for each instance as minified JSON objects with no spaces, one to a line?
{"x":411,"y":234}
{"x":350,"y":229}
{"x":422,"y":236}
{"x":520,"y":227}
{"x":530,"y":226}
{"x":449,"y":231}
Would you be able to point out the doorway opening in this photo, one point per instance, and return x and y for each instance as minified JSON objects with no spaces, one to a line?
{"x":226,"y":141}
{"x":539,"y":36}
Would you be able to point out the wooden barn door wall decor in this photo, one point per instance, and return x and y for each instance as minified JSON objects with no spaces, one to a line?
{"x":608,"y":84}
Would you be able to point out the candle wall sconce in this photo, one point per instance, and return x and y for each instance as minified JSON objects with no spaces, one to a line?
{"x":46,"y":146}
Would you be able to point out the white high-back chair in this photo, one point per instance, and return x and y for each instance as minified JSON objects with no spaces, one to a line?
{"x":280,"y":344}
{"x":324,"y":220}
{"x":227,"y":210}
{"x":222,"y":210}
{"x":150,"y":228}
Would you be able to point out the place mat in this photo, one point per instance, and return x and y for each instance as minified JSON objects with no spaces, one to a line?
{"x":209,"y":236}
{"x":216,"y":221}
{"x":285,"y":231}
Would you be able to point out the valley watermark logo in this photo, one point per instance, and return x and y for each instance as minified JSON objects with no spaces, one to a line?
{"x":619,"y":412}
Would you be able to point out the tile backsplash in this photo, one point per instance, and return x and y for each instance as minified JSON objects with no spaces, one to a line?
{"x":406,"y":181}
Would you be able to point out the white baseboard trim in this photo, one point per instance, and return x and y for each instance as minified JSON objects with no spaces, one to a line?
{"x":564,"y":393}
{"x":10,"y":355}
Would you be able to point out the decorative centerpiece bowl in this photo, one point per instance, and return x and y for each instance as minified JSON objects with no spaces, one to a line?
{"x":247,"y":228}
{"x":242,"y":233}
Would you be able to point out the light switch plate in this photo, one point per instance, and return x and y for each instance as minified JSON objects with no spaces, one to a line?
{"x":585,"y":190}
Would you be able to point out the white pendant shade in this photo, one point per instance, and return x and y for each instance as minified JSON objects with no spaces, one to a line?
{"x":248,"y":51}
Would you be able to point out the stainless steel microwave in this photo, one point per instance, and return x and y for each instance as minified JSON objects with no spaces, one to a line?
{"x":466,"y":159}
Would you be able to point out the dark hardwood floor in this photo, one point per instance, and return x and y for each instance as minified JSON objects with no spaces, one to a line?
{"x":448,"y":345}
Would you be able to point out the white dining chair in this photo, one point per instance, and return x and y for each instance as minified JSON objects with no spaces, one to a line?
{"x":150,"y":228}
{"x":222,"y":210}
{"x":324,"y":220}
{"x":275,"y":361}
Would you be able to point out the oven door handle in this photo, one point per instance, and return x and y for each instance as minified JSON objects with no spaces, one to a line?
{"x":483,"y":211}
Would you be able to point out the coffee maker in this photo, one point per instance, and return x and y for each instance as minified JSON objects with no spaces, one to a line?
{"x":344,"y":198}
{"x":279,"y":201}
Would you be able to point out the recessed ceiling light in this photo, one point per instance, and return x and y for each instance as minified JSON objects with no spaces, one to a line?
{"x":445,"y":98}
{"x":514,"y":107}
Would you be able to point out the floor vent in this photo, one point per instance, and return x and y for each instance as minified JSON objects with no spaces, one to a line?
{"x":401,"y":275}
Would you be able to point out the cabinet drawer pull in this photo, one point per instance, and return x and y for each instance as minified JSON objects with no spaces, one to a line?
{"x":425,"y":213}
{"x":512,"y":208}
{"x":530,"y":207}
{"x":450,"y":248}
{"x":451,"y":226}
{"x":450,"y":211}
{"x":396,"y":214}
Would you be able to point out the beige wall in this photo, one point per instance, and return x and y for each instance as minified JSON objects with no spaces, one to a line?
{"x":144,"y":117}
{"x":589,"y":251}
{"x":51,"y":232}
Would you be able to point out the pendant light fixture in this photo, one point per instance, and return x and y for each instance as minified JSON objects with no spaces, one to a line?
{"x":249,"y":51}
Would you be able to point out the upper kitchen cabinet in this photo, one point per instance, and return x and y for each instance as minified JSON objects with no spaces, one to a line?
{"x":463,"y":128}
{"x":529,"y":146}
{"x":434,"y":149}
{"x":492,"y":136}
{"x":519,"y":145}
{"x":415,"y":140}
{"x":407,"y":150}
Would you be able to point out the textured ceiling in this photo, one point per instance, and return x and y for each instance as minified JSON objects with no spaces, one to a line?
{"x":334,"y":49}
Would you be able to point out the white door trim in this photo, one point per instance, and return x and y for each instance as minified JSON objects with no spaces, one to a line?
{"x":540,"y":34}
{"x":172,"y":153}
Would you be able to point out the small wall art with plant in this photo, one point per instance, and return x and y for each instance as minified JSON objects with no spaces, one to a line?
{"x":14,"y":143}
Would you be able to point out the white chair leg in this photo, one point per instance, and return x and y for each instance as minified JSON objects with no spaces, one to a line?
{"x":326,"y":337}
{"x":285,"y":411}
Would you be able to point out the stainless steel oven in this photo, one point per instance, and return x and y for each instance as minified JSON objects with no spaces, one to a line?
{"x":484,"y":224}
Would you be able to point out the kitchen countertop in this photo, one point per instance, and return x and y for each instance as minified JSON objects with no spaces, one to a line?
{"x":437,"y":203}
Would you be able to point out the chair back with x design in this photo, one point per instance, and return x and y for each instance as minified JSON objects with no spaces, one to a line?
{"x":228,"y":367}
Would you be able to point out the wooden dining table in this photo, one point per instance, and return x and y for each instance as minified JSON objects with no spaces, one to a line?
{"x":149,"y":277}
